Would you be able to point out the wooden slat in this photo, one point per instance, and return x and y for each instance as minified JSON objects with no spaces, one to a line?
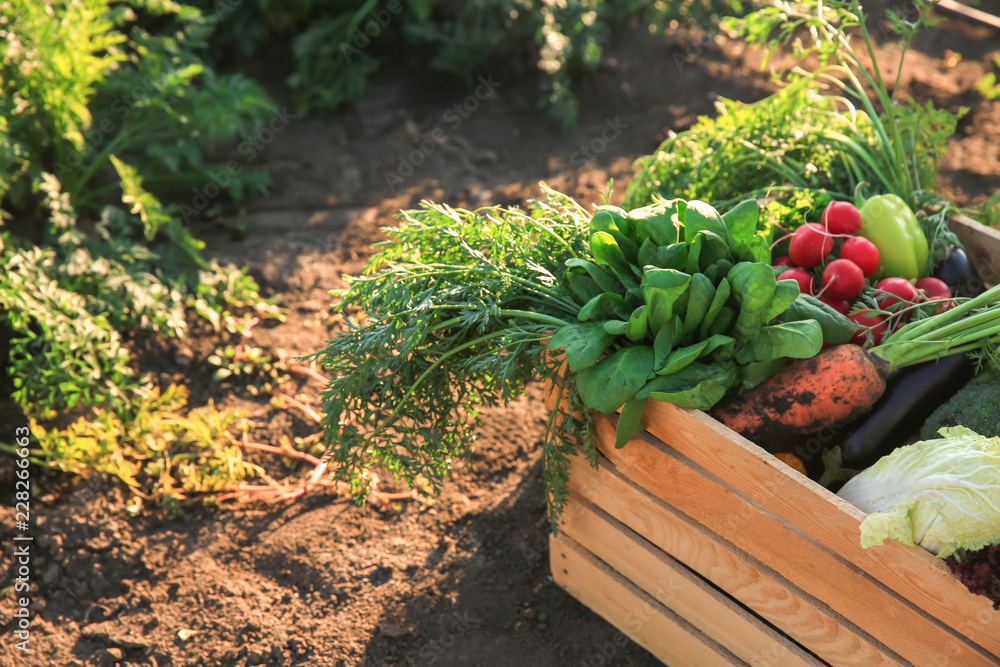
{"x":815,"y":627}
{"x":970,"y":13}
{"x":809,"y":565}
{"x":712,"y":612}
{"x":648,"y":623}
{"x":911,"y":572}
{"x":982,"y":245}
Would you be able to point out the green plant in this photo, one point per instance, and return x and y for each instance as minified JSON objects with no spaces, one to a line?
{"x":93,"y":260}
{"x":988,"y":86}
{"x":88,"y":81}
{"x":337,"y":45}
{"x":452,"y":314}
{"x":167,"y":456}
{"x":682,"y":306}
{"x":838,"y":143}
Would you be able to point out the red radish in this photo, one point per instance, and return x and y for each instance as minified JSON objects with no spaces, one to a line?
{"x":803,"y":278}
{"x":934,"y":288}
{"x":841,"y":307}
{"x":871,"y":322}
{"x":899,"y":287}
{"x":843,"y":280}
{"x":862,"y":252}
{"x":783,"y":260}
{"x":810,"y":244}
{"x":841,"y":217}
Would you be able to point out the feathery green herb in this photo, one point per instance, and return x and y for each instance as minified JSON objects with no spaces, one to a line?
{"x":457,"y":308}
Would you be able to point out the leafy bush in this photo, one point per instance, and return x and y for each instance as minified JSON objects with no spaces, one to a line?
{"x":338,"y":44}
{"x":92,"y":258}
{"x":836,"y":132}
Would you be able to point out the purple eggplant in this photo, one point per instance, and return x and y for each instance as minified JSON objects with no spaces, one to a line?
{"x":910,"y":395}
{"x":957,"y":272}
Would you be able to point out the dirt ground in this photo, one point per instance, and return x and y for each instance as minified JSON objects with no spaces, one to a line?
{"x":463,"y":581}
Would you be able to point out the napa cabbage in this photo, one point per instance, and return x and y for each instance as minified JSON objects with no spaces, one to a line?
{"x":942,"y":494}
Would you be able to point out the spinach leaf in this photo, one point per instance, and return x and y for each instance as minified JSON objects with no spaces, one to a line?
{"x":722,"y":321}
{"x":603,"y":306}
{"x":673,"y":256}
{"x":785,"y":294}
{"x":699,"y":216}
{"x":629,"y":421}
{"x":718,"y":301}
{"x":753,"y":286}
{"x":755,"y":372}
{"x":760,"y":250}
{"x":613,"y":381}
{"x":684,"y":356}
{"x":659,"y":221}
{"x":702,"y":293}
{"x":798,"y":340}
{"x":605,"y":221}
{"x":661,"y":288}
{"x":663,"y":343}
{"x":743,"y":252}
{"x":694,"y":255}
{"x":648,"y":253}
{"x":699,"y":385}
{"x":604,"y":280}
{"x":742,"y":220}
{"x":582,"y":285}
{"x":615,"y":327}
{"x":585,"y":344}
{"x":638,"y":324}
{"x":836,"y":327}
{"x":606,"y":252}
{"x":713,"y":249}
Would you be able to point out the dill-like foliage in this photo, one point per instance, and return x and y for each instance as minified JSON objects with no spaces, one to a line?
{"x":450,"y":315}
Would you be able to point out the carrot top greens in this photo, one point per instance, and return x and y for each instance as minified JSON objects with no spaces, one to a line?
{"x":452,"y":314}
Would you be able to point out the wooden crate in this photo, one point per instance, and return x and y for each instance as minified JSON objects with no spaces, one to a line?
{"x":706,"y":550}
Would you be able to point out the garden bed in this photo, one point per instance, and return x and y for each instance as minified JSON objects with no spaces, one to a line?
{"x":705,"y":549}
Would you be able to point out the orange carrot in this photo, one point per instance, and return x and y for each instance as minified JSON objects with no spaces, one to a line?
{"x":837,"y":385}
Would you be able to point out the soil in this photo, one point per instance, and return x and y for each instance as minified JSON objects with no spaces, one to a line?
{"x":462,"y":580}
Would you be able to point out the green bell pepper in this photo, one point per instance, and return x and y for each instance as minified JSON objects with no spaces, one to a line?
{"x":889,"y":223}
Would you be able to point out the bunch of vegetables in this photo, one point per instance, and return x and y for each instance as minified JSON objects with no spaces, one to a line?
{"x":822,"y":136}
{"x":844,"y":382}
{"x":839,"y":258}
{"x":682,"y":306}
{"x":462,"y":308}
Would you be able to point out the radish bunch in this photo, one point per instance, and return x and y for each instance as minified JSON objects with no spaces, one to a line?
{"x":829,"y":262}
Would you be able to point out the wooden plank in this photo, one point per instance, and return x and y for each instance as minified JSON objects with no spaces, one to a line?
{"x":712,"y":612}
{"x":911,"y":572}
{"x":650,"y":624}
{"x":814,"y":626}
{"x":810,"y":566}
{"x":982,"y":245}
{"x":970,"y":13}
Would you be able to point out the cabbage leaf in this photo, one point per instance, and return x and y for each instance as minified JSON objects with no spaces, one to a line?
{"x":941,"y":494}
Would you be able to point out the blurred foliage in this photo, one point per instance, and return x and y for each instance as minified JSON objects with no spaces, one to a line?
{"x":337,"y":45}
{"x":167,"y":457}
{"x":102,"y":104}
